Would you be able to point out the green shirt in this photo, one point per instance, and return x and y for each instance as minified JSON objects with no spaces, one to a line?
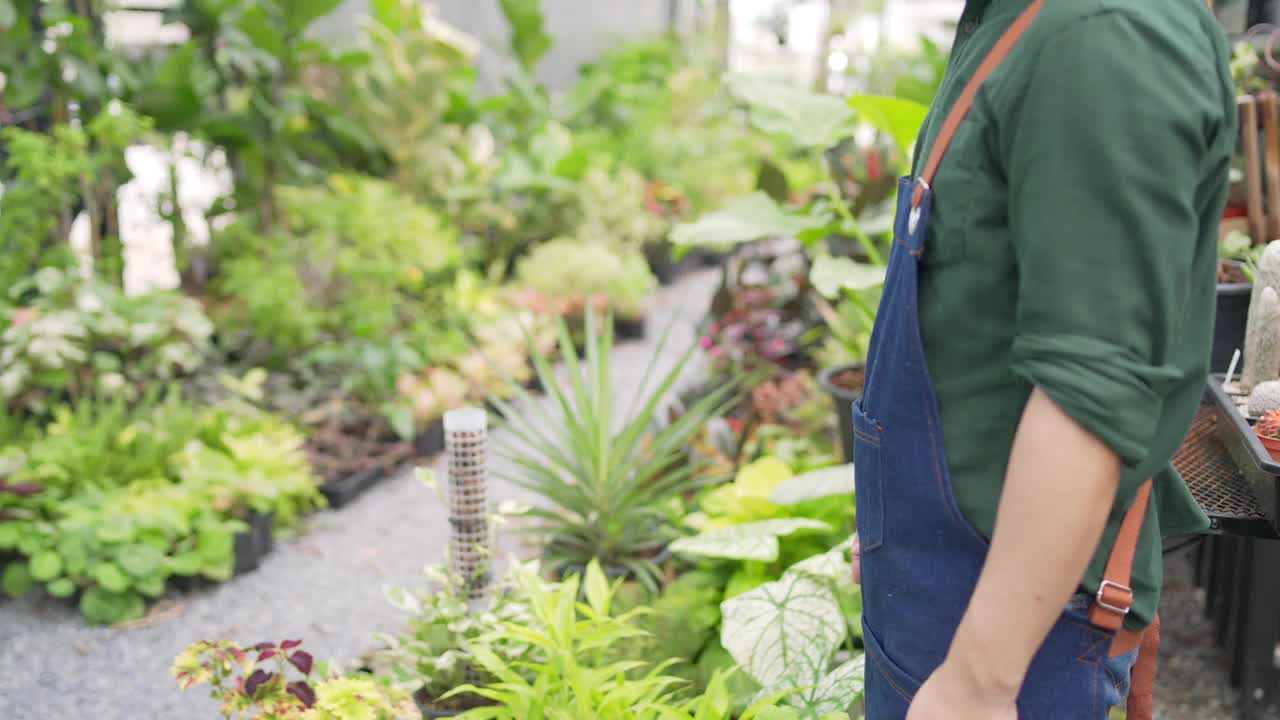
{"x":1073,"y":246}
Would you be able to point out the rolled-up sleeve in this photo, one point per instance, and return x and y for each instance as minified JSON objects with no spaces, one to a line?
{"x":1104,"y":222}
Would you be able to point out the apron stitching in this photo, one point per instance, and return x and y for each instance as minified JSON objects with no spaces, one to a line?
{"x":884,"y":674}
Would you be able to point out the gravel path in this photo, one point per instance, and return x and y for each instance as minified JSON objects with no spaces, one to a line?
{"x":325,"y":586}
{"x":1192,"y":682}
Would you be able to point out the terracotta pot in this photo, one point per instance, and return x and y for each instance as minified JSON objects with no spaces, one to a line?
{"x":1272,"y":445}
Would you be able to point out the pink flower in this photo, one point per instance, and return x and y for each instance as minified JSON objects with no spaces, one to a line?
{"x":706,"y":343}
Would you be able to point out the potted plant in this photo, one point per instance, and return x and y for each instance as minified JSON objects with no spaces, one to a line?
{"x":1237,"y":259}
{"x":603,"y":478}
{"x":435,"y":653}
{"x":1267,"y":429}
{"x":848,"y":293}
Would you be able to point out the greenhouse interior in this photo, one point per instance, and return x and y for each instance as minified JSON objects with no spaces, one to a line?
{"x":502,"y":359}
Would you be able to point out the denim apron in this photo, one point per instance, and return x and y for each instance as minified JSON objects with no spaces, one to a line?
{"x":921,"y":557}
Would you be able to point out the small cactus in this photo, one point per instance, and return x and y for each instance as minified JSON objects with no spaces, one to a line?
{"x":1269,"y":425}
{"x":1262,"y":345}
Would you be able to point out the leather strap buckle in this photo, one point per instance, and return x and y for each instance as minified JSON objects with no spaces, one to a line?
{"x":1104,"y":601}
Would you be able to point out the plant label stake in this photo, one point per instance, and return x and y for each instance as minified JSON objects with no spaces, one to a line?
{"x":466,"y":444}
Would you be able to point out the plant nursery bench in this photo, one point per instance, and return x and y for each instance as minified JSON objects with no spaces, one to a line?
{"x":1238,"y":564}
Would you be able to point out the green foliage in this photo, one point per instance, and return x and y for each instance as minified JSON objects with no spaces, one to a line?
{"x":127,"y":498}
{"x":605,"y":484}
{"x":242,"y":81}
{"x":47,"y":174}
{"x":435,"y":653}
{"x":568,"y":675}
{"x":354,"y":259}
{"x":855,"y":289}
{"x":529,"y":42}
{"x":746,"y":219}
{"x":566,"y":270}
{"x":278,"y":681}
{"x":783,"y":635}
{"x":73,"y":338}
{"x":809,"y":120}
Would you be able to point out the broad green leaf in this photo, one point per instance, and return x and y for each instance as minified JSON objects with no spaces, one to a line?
{"x":837,"y":690}
{"x":815,"y":484}
{"x":897,"y":117}
{"x":783,"y":633}
{"x":832,"y":565}
{"x":808,"y":119}
{"x":831,"y":275}
{"x":17,"y":580}
{"x":104,"y":607}
{"x":299,"y":14}
{"x":140,"y":560}
{"x":110,"y":577}
{"x":596,"y":586}
{"x":46,"y":566}
{"x":187,"y":563}
{"x":529,"y":41}
{"x":150,"y":586}
{"x":61,"y":588}
{"x":743,"y":219}
{"x":761,"y":477}
{"x":748,"y":541}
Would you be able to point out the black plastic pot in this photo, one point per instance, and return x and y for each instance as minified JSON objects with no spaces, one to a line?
{"x":342,"y":491}
{"x":253,"y":544}
{"x":430,"y":713}
{"x":661,"y":264}
{"x":628,"y":328}
{"x":431,"y":440}
{"x":843,"y":399}
{"x":611,"y":571}
{"x":1230,"y":320}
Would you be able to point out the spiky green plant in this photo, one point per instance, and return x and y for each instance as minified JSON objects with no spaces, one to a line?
{"x":604,"y":481}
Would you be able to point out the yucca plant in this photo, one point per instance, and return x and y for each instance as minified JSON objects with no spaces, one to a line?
{"x":605,"y":481}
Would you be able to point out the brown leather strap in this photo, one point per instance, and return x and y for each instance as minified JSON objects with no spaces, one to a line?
{"x":961,"y":108}
{"x":1115,"y":596}
{"x":1142,"y":681}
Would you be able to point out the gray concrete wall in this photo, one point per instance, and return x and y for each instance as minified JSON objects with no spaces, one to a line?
{"x":580,"y":29}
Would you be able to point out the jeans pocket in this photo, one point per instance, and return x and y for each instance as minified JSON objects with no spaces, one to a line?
{"x":868,"y":478}
{"x":1119,"y":670}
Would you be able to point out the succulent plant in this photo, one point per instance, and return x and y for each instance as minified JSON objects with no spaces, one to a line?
{"x":1262,"y":334}
{"x":1269,"y":425}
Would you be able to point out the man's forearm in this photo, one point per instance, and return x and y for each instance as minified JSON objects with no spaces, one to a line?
{"x":1058,"y":492}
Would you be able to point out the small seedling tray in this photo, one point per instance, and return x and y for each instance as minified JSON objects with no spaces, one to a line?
{"x":1256,"y":464}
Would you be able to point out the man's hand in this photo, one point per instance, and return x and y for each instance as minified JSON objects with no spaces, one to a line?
{"x":857,"y":560}
{"x":953,"y":692}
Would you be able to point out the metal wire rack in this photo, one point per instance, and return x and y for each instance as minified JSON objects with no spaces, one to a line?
{"x":1216,"y":482}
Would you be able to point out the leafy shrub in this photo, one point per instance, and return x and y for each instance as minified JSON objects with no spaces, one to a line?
{"x":434,"y":656}
{"x":116,"y":500}
{"x":767,"y":520}
{"x":606,"y":484}
{"x":566,"y":270}
{"x":72,"y":338}
{"x":568,"y":670}
{"x":255,"y":683}
{"x":355,"y":258}
{"x":783,"y":635}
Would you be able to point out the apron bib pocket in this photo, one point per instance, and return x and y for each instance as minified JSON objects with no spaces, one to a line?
{"x":868,"y":478}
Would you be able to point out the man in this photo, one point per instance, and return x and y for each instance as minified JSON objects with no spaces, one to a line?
{"x":1039,"y":355}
